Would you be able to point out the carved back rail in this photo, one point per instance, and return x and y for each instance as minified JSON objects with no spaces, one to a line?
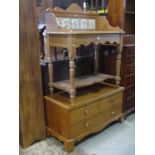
{"x":75,"y":19}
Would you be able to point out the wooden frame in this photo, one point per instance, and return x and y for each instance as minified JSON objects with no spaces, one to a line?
{"x":70,"y":39}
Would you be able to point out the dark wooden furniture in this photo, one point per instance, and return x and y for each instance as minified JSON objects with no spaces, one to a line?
{"x":83,"y":104}
{"x":122,"y":13}
{"x":32,"y":124}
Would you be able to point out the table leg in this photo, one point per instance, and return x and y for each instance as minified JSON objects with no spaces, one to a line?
{"x":50,"y":65}
{"x":72,"y":79}
{"x":118,"y":63}
{"x":69,"y":146}
{"x":96,"y":59}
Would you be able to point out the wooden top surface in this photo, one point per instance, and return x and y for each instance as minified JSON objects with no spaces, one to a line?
{"x":71,"y":32}
{"x":86,"y":98}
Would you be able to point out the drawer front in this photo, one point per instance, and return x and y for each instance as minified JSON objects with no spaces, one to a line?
{"x":86,"y":111}
{"x":116,"y":104}
{"x":77,"y":115}
{"x":130,"y":92}
{"x":78,"y":129}
{"x":95,"y":108}
{"x":95,"y":114}
{"x":130,"y":51}
{"x":129,"y":104}
{"x":130,"y":80}
{"x":90,"y":123}
{"x":130,"y":70}
{"x":129,"y":39}
{"x":130,"y":60}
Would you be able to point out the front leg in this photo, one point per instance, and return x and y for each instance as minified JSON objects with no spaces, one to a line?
{"x":69,"y":146}
{"x":72,"y":80}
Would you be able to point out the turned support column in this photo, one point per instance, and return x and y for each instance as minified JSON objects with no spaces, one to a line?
{"x":96,"y":61}
{"x":118,"y":62}
{"x":50,"y":64}
{"x":72,"y":53}
{"x":72,"y":79}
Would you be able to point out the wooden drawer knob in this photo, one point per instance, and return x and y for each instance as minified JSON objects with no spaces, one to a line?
{"x":112,"y":112}
{"x":86,"y":111}
{"x":86,"y":125}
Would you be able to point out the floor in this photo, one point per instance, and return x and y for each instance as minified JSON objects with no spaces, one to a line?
{"x":116,"y":139}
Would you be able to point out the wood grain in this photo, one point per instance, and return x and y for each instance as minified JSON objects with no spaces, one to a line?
{"x":116,"y":12}
{"x":32,"y":125}
{"x":93,"y":111}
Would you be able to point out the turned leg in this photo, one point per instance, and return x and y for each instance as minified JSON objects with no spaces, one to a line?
{"x":69,"y":146}
{"x":96,"y":59}
{"x":118,"y":63}
{"x":72,"y":80}
{"x":50,"y":65}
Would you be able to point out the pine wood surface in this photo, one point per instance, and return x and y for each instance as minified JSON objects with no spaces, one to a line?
{"x":93,"y":111}
{"x":71,"y":117}
{"x":56,"y":36}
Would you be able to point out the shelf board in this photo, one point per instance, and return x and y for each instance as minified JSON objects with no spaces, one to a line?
{"x":83,"y":81}
{"x":129,"y":45}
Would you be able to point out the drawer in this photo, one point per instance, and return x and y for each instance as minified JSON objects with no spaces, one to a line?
{"x":86,"y":111}
{"x":130,"y":92}
{"x":116,"y":104}
{"x":78,"y":129}
{"x":129,"y":39}
{"x":95,"y":108}
{"x":130,"y":104}
{"x":130,"y":70}
{"x":130,"y":80}
{"x":130,"y":60}
{"x":111,"y":100}
{"x":90,"y":123}
{"x":77,"y":115}
{"x":130,"y":51}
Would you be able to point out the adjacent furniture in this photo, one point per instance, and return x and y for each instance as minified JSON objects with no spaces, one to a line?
{"x":31,"y":107}
{"x":122,"y":13}
{"x":82,"y":102}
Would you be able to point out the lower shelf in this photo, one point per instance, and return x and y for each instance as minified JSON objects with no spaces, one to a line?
{"x":83,"y":81}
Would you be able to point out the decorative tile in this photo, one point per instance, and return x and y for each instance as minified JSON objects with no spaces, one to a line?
{"x":76,"y":23}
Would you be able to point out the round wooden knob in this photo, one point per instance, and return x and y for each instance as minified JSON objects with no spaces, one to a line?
{"x":112,"y":113}
{"x":86,"y":125}
{"x":86,"y":111}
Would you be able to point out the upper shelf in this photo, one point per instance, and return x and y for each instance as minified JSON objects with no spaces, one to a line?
{"x":83,"y":81}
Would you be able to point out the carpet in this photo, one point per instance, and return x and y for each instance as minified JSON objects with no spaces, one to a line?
{"x":116,"y":139}
{"x":50,"y":146}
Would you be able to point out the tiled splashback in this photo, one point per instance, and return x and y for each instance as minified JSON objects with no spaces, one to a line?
{"x":76,"y":23}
